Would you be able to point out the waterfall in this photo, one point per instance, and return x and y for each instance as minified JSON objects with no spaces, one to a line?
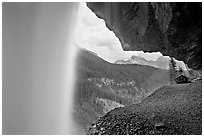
{"x":38,"y":67}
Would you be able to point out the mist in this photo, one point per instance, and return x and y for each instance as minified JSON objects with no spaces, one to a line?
{"x":38,"y":67}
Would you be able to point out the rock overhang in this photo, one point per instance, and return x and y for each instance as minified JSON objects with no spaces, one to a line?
{"x":172,"y":28}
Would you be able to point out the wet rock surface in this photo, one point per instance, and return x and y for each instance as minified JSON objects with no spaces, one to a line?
{"x":170,"y":110}
{"x":174,"y":29}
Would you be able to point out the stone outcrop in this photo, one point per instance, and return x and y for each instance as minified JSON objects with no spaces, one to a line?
{"x":181,"y":79}
{"x":174,"y":29}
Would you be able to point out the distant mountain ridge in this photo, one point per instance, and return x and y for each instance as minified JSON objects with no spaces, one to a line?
{"x":161,"y":62}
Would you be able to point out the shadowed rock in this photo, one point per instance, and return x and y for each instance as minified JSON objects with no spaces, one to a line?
{"x":181,"y":79}
{"x":174,"y":29}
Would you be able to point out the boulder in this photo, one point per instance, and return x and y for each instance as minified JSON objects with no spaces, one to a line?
{"x":181,"y":79}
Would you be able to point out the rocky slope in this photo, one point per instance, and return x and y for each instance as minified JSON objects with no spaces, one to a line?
{"x":172,"y":109}
{"x":172,"y":28}
{"x":102,"y":86}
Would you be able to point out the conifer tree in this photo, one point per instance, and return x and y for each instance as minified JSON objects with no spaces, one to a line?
{"x":180,"y":70}
{"x":172,"y":70}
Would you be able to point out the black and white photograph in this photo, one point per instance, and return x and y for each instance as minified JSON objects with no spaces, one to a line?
{"x":102,"y":68}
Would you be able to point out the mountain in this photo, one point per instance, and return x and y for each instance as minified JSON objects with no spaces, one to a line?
{"x":102,"y":86}
{"x":162,"y":62}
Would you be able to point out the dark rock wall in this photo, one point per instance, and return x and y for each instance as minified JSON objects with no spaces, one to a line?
{"x":174,"y":29}
{"x":185,"y":33}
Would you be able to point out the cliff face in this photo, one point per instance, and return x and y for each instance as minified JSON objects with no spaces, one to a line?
{"x":174,"y":29}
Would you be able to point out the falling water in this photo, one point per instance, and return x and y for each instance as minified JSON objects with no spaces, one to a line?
{"x":38,"y":67}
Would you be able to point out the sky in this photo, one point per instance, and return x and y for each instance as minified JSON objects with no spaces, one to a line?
{"x":92,"y":34}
